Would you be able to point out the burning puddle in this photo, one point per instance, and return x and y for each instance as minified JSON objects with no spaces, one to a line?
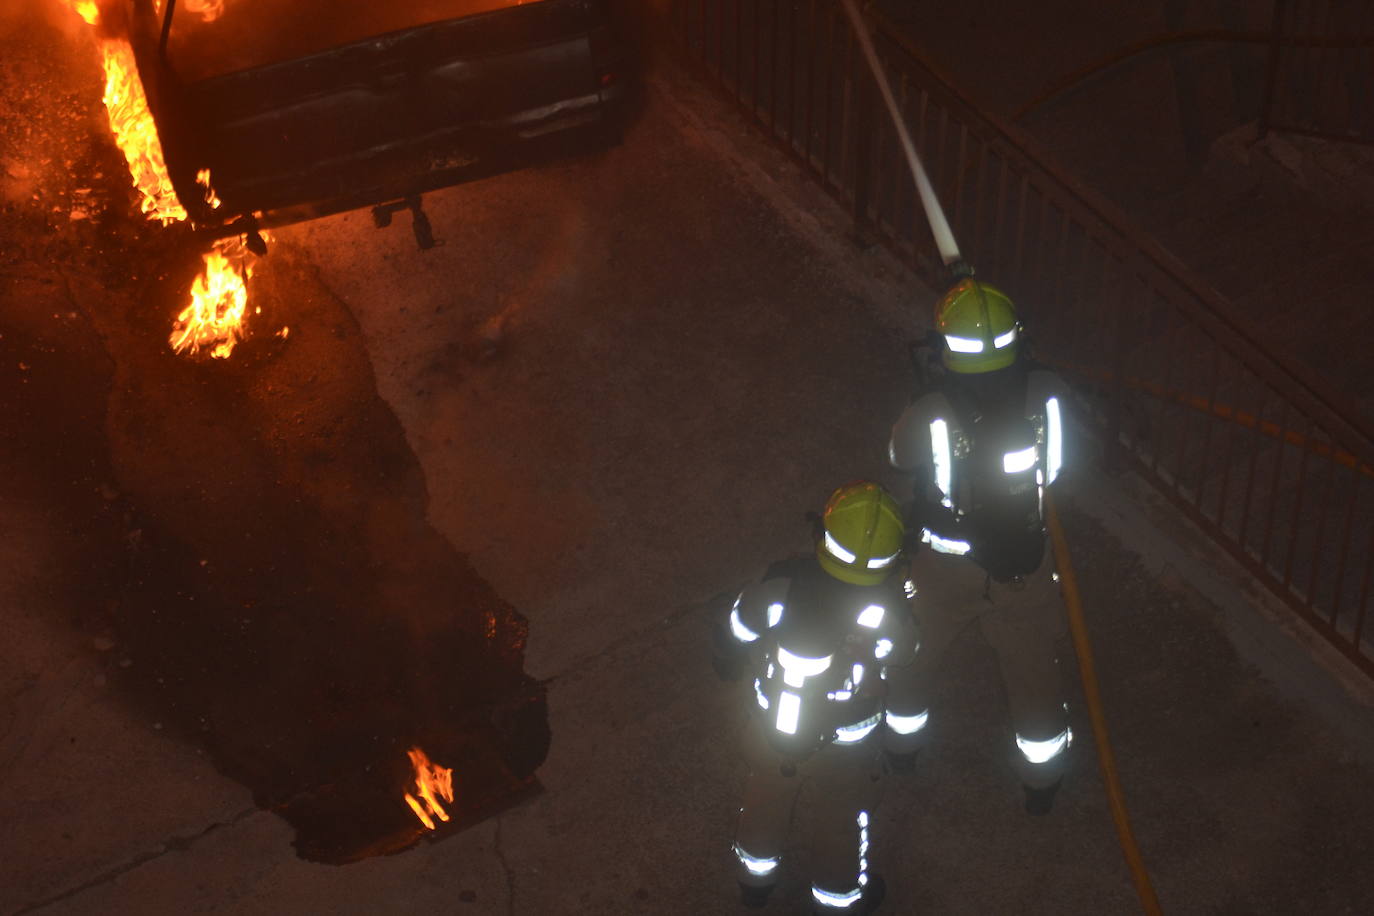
{"x":281,"y":599}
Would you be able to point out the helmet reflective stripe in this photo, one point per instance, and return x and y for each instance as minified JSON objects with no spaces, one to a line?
{"x":964,"y":344}
{"x":758,"y":692}
{"x":774,"y":613}
{"x":1016,"y":462}
{"x":756,"y":865}
{"x":742,"y":633}
{"x":857,"y":675}
{"x":944,"y":545}
{"x":834,"y":547}
{"x":939,"y":454}
{"x":1002,"y":340}
{"x":837,"y":901}
{"x":871,"y":616}
{"x":789,"y":710}
{"x":850,"y":734}
{"x":1043,"y":751}
{"x":1054,"y":439}
{"x":883,"y":649}
{"x":880,"y":562}
{"x":907,"y":725}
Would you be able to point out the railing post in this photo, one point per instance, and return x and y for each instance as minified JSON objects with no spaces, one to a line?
{"x":1114,"y":458}
{"x":1271,"y":78}
{"x":864,"y":98}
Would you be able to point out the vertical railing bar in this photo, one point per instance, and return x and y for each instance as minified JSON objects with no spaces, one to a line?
{"x":1112,"y":291}
{"x":958,"y":171}
{"x":1041,"y":234}
{"x":829,"y":92}
{"x":1231,"y":435}
{"x":894,"y":161}
{"x":1309,"y":57}
{"x":1323,"y":65}
{"x":995,"y":246}
{"x":1062,"y":255}
{"x":720,"y":40}
{"x":1023,"y":194}
{"x":1271,"y":76}
{"x":793,"y":34}
{"x":739,"y":52}
{"x":1256,"y":445}
{"x":1323,"y":512}
{"x":773,"y":68}
{"x":1209,"y":423}
{"x":941,"y":160}
{"x":1298,"y":494}
{"x":979,"y":189}
{"x":917,"y":235}
{"x":810,"y":79}
{"x":1274,"y":486}
{"x":849,"y":111}
{"x":1345,"y":545}
{"x":1175,"y":324}
{"x":758,"y":11}
{"x":1363,"y":607}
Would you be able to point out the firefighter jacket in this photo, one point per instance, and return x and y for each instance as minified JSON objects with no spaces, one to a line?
{"x":817,"y":650}
{"x":981,"y":450}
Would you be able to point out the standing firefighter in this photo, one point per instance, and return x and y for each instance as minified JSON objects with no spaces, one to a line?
{"x":982,"y":442}
{"x":817,"y":636}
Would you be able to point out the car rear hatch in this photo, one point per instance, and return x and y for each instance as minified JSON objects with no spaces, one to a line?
{"x":386,"y":116}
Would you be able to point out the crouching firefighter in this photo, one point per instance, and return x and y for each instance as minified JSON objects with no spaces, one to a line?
{"x":982,"y":441}
{"x":816,"y":637}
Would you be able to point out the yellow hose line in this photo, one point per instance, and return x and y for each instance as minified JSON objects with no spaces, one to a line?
{"x":1068,"y":585}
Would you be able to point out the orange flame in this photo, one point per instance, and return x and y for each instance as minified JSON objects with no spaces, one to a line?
{"x":209,"y":10}
{"x":219,"y":300}
{"x":86,"y":9}
{"x":132,"y":123}
{"x":430,"y":780}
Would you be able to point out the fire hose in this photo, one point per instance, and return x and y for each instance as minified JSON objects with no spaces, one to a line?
{"x":1068,"y":583}
{"x":1087,"y":670}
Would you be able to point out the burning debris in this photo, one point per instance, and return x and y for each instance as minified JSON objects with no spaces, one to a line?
{"x":430,"y":780}
{"x":214,"y":321}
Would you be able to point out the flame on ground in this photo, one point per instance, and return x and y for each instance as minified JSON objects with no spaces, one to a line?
{"x":219,"y":300}
{"x":432,"y":782}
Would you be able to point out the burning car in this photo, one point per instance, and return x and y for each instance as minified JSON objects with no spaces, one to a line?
{"x":297,"y":109}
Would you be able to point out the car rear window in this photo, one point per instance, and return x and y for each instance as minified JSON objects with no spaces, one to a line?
{"x":212,"y":37}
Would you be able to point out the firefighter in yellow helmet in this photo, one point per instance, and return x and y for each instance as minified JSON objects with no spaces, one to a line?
{"x":980,"y":445}
{"x":814,"y":639}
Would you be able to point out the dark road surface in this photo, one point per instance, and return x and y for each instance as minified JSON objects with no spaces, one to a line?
{"x":610,"y":393}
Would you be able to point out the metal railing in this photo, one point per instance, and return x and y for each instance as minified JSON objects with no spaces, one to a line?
{"x":1252,"y":447}
{"x":1320,"y":79}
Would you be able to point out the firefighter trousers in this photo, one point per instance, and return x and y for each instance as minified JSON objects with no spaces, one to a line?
{"x":843,"y":785}
{"x":1023,"y":622}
